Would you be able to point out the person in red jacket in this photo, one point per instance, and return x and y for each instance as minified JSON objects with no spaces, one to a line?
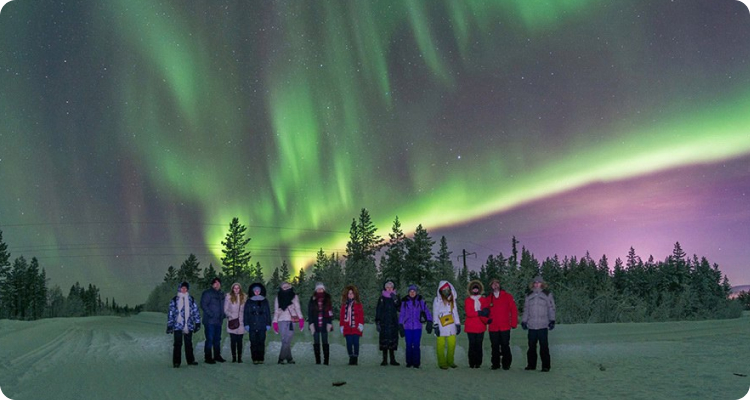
{"x":503,"y":317}
{"x":352,"y":321}
{"x":476,"y":321}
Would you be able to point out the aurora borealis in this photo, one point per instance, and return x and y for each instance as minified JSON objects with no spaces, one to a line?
{"x":133,"y":131}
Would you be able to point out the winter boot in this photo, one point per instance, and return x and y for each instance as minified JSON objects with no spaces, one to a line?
{"x":385,"y":358}
{"x":326,"y":353}
{"x":316,"y":350}
{"x":351,"y":360}
{"x":393,"y":357}
{"x":239,"y":354}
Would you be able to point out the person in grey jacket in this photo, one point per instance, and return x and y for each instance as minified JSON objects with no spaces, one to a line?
{"x":538,"y":319}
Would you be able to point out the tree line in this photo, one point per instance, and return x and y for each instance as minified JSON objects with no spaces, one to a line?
{"x":586,"y":290}
{"x":24,"y":294}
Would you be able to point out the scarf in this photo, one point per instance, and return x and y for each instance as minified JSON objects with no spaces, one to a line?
{"x":349,"y":313}
{"x":477,"y":304}
{"x":320,"y":297}
{"x":183,"y":311}
{"x":285,"y":298}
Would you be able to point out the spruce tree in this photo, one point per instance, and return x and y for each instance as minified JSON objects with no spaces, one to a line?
{"x":443,"y":264}
{"x":284,"y":273}
{"x":236,"y":259}
{"x":419,"y":259}
{"x":257,"y":273}
{"x":189,"y":270}
{"x":360,"y":267}
{"x":393,"y":261}
{"x":171,"y":275}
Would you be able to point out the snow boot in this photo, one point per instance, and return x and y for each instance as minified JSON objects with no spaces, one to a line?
{"x":239,"y":354}
{"x":385,"y":358}
{"x":326,"y":353}
{"x":393,"y":358}
{"x":316,"y":350}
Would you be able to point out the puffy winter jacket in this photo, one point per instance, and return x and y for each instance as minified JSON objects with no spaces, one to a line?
{"x":474,"y":323}
{"x":313,"y":313}
{"x":539,"y":309}
{"x":195,"y":316}
{"x":441,"y":309}
{"x":503,"y":311}
{"x":257,"y":313}
{"x":212,"y":304}
{"x":411,"y":309}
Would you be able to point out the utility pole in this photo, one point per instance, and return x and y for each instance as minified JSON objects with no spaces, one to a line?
{"x":464,"y":275}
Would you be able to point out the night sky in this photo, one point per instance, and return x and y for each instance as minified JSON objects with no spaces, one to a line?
{"x":134,"y":130}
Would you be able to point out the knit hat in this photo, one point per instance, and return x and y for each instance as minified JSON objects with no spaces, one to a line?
{"x":413,"y":287}
{"x":319,"y":285}
{"x":538,"y":279}
{"x":185,"y":284}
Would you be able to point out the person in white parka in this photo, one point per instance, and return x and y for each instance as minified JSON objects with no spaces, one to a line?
{"x":447,"y":324}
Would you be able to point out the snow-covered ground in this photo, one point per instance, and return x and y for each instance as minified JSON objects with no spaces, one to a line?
{"x":130,"y":358}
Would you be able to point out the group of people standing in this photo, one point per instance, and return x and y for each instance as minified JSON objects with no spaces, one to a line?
{"x":395,"y":317}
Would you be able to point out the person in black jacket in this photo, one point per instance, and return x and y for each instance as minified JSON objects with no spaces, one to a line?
{"x":320,"y":320}
{"x":386,"y":322}
{"x":257,"y":317}
{"x":212,"y":304}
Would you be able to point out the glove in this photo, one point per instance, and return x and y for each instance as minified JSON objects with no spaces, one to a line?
{"x":484,"y":313}
{"x":329,"y":327}
{"x":436,"y":329}
{"x":197,"y":327}
{"x":268,"y":328}
{"x":458,"y":329}
{"x":551,"y":325}
{"x":377,"y":326}
{"x":247,"y":328}
{"x":342,"y":330}
{"x":524,"y":326}
{"x":301,"y":324}
{"x":428,"y":327}
{"x":401,"y":330}
{"x":361,"y":327}
{"x":170,"y":330}
{"x":276,"y":327}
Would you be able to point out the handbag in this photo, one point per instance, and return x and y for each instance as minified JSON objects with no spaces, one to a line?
{"x":446,"y":320}
{"x":234,"y":323}
{"x":295,"y":317}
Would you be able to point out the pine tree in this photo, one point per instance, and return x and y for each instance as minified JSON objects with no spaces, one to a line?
{"x":360,"y":260}
{"x":275,"y":282}
{"x":189,"y":270}
{"x":208,"y":275}
{"x":257,"y":273}
{"x":445,"y":269}
{"x":236,"y":259}
{"x":419,"y":259}
{"x":393,"y":261}
{"x":171,"y":275}
{"x":284,"y":273}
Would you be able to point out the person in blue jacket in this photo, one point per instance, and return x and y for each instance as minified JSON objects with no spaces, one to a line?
{"x":183,"y":319}
{"x":212,"y":304}
{"x":414,"y":313}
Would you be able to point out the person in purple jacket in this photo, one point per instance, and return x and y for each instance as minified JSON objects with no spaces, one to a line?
{"x":414,"y":313}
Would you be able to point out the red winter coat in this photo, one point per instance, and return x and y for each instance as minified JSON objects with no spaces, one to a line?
{"x":474,"y":323}
{"x":352,"y":327}
{"x":503,"y":311}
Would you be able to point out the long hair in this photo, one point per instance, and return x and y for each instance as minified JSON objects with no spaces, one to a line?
{"x":233,"y":297}
{"x":345,"y":294}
